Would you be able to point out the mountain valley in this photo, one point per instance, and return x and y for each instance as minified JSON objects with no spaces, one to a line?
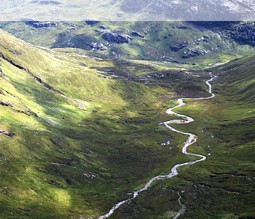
{"x":81,"y":105}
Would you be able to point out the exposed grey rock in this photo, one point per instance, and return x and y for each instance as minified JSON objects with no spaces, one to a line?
{"x":104,"y":27}
{"x":195,"y":10}
{"x":90,"y":175}
{"x":39,"y":24}
{"x":193,"y":52}
{"x":156,"y":10}
{"x":206,"y":38}
{"x":181,"y":27}
{"x":181,"y":45}
{"x":100,"y":31}
{"x":136,"y":34}
{"x":97,"y":46}
{"x":116,"y":38}
{"x":203,"y":39}
{"x":3,"y":132}
{"x":91,"y":22}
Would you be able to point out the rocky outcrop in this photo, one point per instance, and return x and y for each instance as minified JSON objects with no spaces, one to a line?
{"x":39,"y":24}
{"x":100,"y":31}
{"x":97,"y":46}
{"x":5,"y":104}
{"x":116,"y":38}
{"x":104,"y":27}
{"x":241,"y":32}
{"x":203,"y":39}
{"x":181,"y":45}
{"x":193,"y":52}
{"x":136,"y":34}
{"x":11,"y":135}
{"x":181,"y":27}
{"x":91,"y":22}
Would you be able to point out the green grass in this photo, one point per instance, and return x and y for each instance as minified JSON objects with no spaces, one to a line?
{"x":222,"y":186}
{"x":80,"y":148}
{"x":156,"y":45}
{"x":86,"y":125}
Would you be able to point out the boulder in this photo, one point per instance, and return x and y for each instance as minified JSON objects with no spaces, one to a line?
{"x":104,"y":27}
{"x":91,"y":22}
{"x":179,"y":46}
{"x":116,"y":38}
{"x":193,"y":52}
{"x":39,"y":24}
{"x":100,"y":31}
{"x":97,"y":46}
{"x":136,"y":34}
{"x":181,"y":27}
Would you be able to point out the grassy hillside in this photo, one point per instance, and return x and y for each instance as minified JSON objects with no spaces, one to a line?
{"x":78,"y":133}
{"x":225,"y":182}
{"x":238,"y":79}
{"x":175,"y":42}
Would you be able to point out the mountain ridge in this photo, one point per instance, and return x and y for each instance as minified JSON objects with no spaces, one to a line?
{"x":129,"y":10}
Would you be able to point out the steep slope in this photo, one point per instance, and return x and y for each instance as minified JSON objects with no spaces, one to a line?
{"x":190,"y":10}
{"x":44,"y":160}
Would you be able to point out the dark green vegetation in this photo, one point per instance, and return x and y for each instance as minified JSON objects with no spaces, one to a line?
{"x":241,"y":32}
{"x":77,"y":134}
{"x":223,"y":186}
{"x":179,"y":43}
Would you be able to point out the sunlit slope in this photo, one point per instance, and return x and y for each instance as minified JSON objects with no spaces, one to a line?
{"x":73,"y":141}
{"x":38,"y":112}
{"x":63,"y":75}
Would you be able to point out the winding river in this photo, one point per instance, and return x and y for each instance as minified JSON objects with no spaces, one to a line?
{"x":192,"y":138}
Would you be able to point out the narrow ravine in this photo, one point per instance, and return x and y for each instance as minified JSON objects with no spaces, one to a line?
{"x":192,"y":138}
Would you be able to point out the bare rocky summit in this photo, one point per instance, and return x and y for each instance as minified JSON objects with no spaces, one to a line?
{"x":127,"y":10}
